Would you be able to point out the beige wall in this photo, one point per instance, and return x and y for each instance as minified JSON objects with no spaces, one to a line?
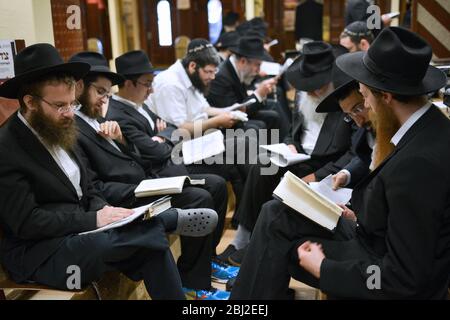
{"x":30,"y":20}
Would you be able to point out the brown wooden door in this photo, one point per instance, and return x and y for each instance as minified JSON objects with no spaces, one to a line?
{"x":192,"y":23}
{"x":237,"y":6}
{"x":334,"y":19}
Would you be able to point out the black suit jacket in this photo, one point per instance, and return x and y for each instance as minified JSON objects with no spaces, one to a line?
{"x":403,"y":210}
{"x":333,"y":143}
{"x":39,"y":206}
{"x":360,"y":163}
{"x":308,"y":20}
{"x":136,"y":129}
{"x":227,"y":89}
{"x":115,"y":173}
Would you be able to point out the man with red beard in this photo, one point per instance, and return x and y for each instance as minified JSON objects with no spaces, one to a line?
{"x":399,"y":246}
{"x":47,"y":198}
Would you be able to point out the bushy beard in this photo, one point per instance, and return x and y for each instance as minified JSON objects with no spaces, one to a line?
{"x":386,"y":125}
{"x":198,"y":83}
{"x":62,"y":133}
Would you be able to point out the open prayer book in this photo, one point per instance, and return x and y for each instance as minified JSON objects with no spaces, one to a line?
{"x":295,"y":193}
{"x":202,"y":148}
{"x":144,"y":213}
{"x":164,"y":186}
{"x":282,"y":156}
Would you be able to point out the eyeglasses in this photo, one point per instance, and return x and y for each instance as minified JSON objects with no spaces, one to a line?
{"x":145,"y":84}
{"x":102,"y":92}
{"x":354,"y":112}
{"x":62,"y":108}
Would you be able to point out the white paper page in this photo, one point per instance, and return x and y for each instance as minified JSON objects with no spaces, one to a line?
{"x":159,"y":184}
{"x":240,"y":105}
{"x":138,"y":212}
{"x":203,"y":147}
{"x":325,"y":188}
{"x":270,"y":68}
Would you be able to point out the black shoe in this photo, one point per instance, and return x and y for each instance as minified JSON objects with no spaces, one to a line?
{"x":236,"y":258}
{"x":223,"y":257}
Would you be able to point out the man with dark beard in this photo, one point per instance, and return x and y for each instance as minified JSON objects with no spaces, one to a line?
{"x":117,"y":171}
{"x":47,"y":198}
{"x":154,"y":146}
{"x":399,"y":246}
{"x":326,"y":137}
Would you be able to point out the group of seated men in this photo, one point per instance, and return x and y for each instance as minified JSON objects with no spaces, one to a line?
{"x":74,"y":153}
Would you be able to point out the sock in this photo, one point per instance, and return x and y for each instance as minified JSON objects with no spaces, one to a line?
{"x":169,"y":219}
{"x":242,"y":238}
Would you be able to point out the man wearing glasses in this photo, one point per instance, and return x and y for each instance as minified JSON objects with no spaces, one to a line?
{"x":47,"y":197}
{"x":348,"y":99}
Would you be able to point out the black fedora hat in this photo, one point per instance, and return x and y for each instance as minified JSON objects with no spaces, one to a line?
{"x":313,"y":69}
{"x":397,"y":62}
{"x":331,"y":102}
{"x":99,"y":65}
{"x":36,"y":61}
{"x":134,"y":63}
{"x":252,"y":47}
{"x":228,"y":40}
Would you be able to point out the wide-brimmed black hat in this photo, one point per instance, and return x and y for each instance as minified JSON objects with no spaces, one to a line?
{"x":396,"y":62}
{"x":313,"y":69}
{"x":134,"y":63}
{"x":228,"y":40}
{"x":252,"y":47}
{"x":99,"y":65}
{"x":36,"y":61}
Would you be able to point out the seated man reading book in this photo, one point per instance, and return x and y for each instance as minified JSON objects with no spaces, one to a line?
{"x":398,"y":249}
{"x":117,"y":171}
{"x":326,"y":138}
{"x":48,"y":198}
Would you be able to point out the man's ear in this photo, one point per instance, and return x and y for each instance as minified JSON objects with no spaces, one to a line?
{"x":191,"y":67}
{"x":28,"y":100}
{"x":387,"y":97}
{"x":364,"y":45}
{"x":79,"y":87}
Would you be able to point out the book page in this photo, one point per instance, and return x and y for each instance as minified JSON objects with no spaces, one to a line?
{"x":204,"y":147}
{"x":158,"y":206}
{"x":270,"y":68}
{"x":325,"y":188}
{"x":158,"y":186}
{"x":282,"y":156}
{"x":296,"y":194}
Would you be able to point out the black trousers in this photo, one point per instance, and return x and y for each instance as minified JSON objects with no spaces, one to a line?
{"x":139,"y":250}
{"x":194,"y":263}
{"x":272,"y":259}
{"x":259,"y":187}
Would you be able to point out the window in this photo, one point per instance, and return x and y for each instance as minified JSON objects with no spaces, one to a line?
{"x":214,"y":19}
{"x":164,"y":23}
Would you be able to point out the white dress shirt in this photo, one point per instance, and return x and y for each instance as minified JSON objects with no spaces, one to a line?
{"x":313,"y":121}
{"x":94,"y":124}
{"x":62,"y":159}
{"x":138,"y":107}
{"x":175,"y":99}
{"x":409,"y":123}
